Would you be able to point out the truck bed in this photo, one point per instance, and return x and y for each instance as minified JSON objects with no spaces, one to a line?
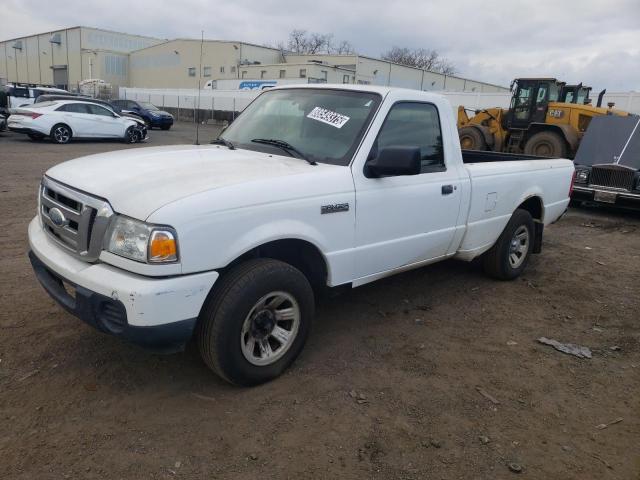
{"x":483,"y":156}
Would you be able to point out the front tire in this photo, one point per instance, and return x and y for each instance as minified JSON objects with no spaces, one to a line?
{"x":256,"y":321}
{"x":132,"y":135}
{"x":509,"y":256}
{"x":546,"y":144}
{"x":61,"y":133}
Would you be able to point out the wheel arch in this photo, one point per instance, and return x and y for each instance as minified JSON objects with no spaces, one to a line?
{"x":297,"y":252}
{"x":535,"y":206}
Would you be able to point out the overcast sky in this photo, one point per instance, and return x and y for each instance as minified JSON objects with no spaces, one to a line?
{"x":593,"y":41}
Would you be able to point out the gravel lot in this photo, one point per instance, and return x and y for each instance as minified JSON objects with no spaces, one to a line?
{"x":431,"y":374}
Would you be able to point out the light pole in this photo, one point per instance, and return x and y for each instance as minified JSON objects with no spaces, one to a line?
{"x":197,"y":112}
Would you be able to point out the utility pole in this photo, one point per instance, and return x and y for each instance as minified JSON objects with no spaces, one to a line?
{"x":197,"y":112}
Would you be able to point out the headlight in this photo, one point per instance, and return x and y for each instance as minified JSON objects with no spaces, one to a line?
{"x":142,"y":242}
{"x":582,"y":176}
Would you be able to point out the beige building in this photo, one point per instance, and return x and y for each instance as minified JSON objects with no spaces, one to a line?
{"x":65,"y":57}
{"x":176,"y":63}
{"x":308,"y":72}
{"x":373,"y":71}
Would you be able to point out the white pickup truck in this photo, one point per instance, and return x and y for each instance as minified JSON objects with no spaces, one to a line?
{"x":311,"y":187}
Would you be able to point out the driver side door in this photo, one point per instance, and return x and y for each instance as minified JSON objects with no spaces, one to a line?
{"x":405,"y":220}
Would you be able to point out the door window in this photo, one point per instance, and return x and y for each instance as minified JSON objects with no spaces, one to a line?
{"x":98,"y":110}
{"x":543,"y":89}
{"x":522,"y":103}
{"x":412,"y":124}
{"x":74,"y":108}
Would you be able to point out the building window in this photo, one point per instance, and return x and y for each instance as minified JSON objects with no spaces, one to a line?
{"x":192,"y":71}
{"x":263,"y":73}
{"x":303,"y":73}
{"x":324,"y":75}
{"x":233,"y":69}
{"x":221,"y":69}
{"x":345,"y":79}
{"x":283,"y":73}
{"x":244,"y":73}
{"x":207,"y":72}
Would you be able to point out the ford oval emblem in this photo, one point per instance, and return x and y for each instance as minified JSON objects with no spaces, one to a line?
{"x":57,"y":217}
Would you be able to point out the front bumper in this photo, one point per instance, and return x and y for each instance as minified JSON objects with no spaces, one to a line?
{"x":157,"y":313}
{"x":161,"y":121}
{"x":622,"y":198}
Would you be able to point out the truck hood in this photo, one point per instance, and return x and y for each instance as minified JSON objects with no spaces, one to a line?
{"x":136,"y":182}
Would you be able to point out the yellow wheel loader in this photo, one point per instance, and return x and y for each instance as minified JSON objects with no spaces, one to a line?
{"x":547,"y":118}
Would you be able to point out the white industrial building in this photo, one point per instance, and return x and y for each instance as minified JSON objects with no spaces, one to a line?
{"x":65,"y":57}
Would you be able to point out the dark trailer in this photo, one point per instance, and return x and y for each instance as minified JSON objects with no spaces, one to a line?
{"x":608,"y":162}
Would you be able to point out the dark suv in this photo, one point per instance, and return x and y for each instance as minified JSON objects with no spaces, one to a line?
{"x":148,"y":111}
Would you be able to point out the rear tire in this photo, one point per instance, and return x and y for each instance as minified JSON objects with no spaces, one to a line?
{"x":509,"y":256}
{"x":61,"y":133}
{"x":546,"y":144}
{"x":258,"y":301}
{"x":471,"y":139}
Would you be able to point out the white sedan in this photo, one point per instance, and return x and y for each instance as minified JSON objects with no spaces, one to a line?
{"x":62,"y":120}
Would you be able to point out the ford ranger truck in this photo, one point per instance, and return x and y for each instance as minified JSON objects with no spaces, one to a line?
{"x":311,"y":187}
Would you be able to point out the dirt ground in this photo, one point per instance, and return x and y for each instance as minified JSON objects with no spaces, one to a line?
{"x":432,"y":374}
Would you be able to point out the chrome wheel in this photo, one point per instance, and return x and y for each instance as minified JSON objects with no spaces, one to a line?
{"x":270,"y":328}
{"x":61,"y":134}
{"x":519,"y":246}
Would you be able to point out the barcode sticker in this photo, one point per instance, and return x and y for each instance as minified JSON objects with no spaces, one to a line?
{"x":327,"y":116}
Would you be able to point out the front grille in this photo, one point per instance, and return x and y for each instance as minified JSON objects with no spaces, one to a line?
{"x":612,"y":176}
{"x":75,"y":220}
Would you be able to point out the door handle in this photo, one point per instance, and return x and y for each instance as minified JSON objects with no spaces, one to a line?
{"x":447,"y":189}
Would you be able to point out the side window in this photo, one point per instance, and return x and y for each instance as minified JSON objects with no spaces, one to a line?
{"x":73,"y":108}
{"x":542,"y":94}
{"x":412,"y":124}
{"x":98,"y":110}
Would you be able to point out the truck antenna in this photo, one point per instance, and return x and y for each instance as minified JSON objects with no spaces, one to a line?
{"x":197,"y":111}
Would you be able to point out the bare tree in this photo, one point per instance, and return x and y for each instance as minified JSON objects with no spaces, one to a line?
{"x":310,"y":43}
{"x":343,"y":48}
{"x":420,"y":58}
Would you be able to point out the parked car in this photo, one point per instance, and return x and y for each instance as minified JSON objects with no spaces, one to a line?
{"x":608,"y":163}
{"x":66,"y":119}
{"x":105,"y":103}
{"x":148,"y":111}
{"x":23,"y":95}
{"x":3,"y":123}
{"x":311,"y":187}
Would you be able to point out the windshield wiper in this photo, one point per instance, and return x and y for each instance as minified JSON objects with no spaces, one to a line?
{"x":286,"y":146}
{"x":223,"y":141}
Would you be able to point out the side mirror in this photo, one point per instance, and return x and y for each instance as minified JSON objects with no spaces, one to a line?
{"x":394,"y":161}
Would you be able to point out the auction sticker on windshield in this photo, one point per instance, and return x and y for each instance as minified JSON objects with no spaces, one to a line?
{"x":323,"y":115}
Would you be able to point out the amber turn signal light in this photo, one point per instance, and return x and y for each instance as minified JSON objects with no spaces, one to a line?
{"x":163,"y":247}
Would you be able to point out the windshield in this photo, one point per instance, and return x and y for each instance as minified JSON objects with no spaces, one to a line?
{"x":148,"y":106}
{"x":323,"y":125}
